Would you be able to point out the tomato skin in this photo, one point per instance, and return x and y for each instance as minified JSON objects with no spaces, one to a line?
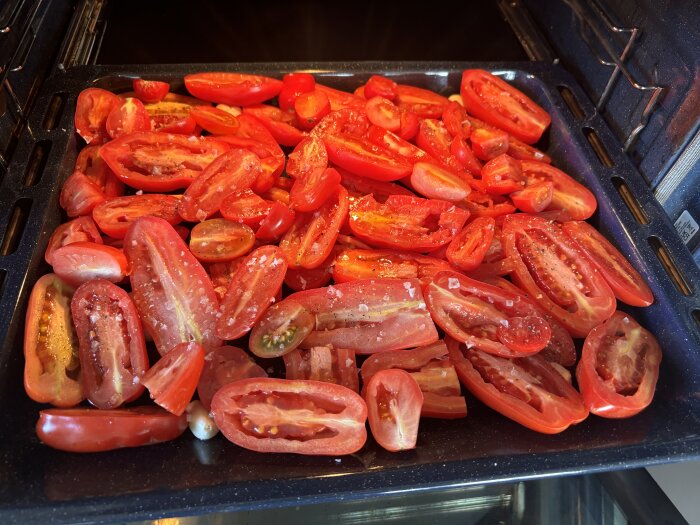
{"x":91,"y":111}
{"x":293,"y":85}
{"x":220,"y":240}
{"x":310,"y":192}
{"x":88,"y":430}
{"x":279,"y":123}
{"x":173,"y":294}
{"x":311,"y":107}
{"x":113,"y":356}
{"x":359,"y":156}
{"x":380,"y":86}
{"x":468,"y":249}
{"x":150,"y":91}
{"x":534,"y":198}
{"x":287,"y":406}
{"x":79,"y":195}
{"x":356,"y":264}
{"x":127,"y":117}
{"x":394,"y":402}
{"x":527,"y":390}
{"x":79,"y":262}
{"x":465,"y":156}
{"x":628,"y":286}
{"x":51,"y":358}
{"x":79,"y":229}
{"x":214,"y":120}
{"x":498,"y":103}
{"x":234,"y":89}
{"x":609,"y":386}
{"x":114,"y":216}
{"x":383,"y":113}
{"x":455,"y":119}
{"x":276,"y":223}
{"x":435,"y":182}
{"x":323,"y":363}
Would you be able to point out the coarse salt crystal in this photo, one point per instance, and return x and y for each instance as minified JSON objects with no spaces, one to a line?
{"x":452,"y":283}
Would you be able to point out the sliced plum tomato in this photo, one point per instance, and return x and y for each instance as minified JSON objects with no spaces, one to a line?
{"x":127,"y":117}
{"x":498,"y":103}
{"x":276,"y":223}
{"x":481,"y":204}
{"x":359,"y":186}
{"x":234,"y":89}
{"x":279,"y":123}
{"x":567,"y":194}
{"x":619,"y":367}
{"x":282,"y":328}
{"x":234,"y":171}
{"x":527,"y":390}
{"x":293,"y":85}
{"x":356,"y":264}
{"x":465,"y":156}
{"x":172,"y":292}
{"x":423,"y":102}
{"x":160,"y":162}
{"x":550,"y":268}
{"x":340,"y":99}
{"x":435,"y":182}
{"x":502,"y":175}
{"x":308,"y":156}
{"x":298,"y":417}
{"x":246,"y":207}
{"x":431,"y":368}
{"x":456,"y":121}
{"x":352,"y":121}
{"x":82,"y":229}
{"x":367,"y":316}
{"x":113,"y":357}
{"x":311,"y":107}
{"x":323,"y":363}
{"x":171,"y":382}
{"x":222,"y":366}
{"x":172,"y":114}
{"x":486,"y":317}
{"x":90,"y":164}
{"x":220,"y":240}
{"x":410,"y":123}
{"x":82,"y":261}
{"x":91,"y":111}
{"x":310,"y":191}
{"x":626,"y":283}
{"x":359,"y":156}
{"x":521,"y":151}
{"x":534,"y":198}
{"x":221,"y":275}
{"x":51,"y":360}
{"x":468,"y":249}
{"x":214,"y":120}
{"x":150,"y":91}
{"x":79,"y":195}
{"x":89,"y":430}
{"x":312,"y":235}
{"x":383,"y":113}
{"x":254,"y":286}
{"x":401,"y":147}
{"x":435,"y":140}
{"x":303,"y":279}
{"x":394,"y":402}
{"x":408,"y":223}
{"x":488,"y":144}
{"x":380,"y":86}
{"x":114,"y":216}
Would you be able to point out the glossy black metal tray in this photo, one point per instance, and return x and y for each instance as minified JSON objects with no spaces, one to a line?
{"x":40,"y":485}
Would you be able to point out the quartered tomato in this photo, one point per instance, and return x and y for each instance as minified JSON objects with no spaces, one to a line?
{"x":51,"y":359}
{"x":82,"y":229}
{"x":340,"y":99}
{"x":355,"y":264}
{"x":88,"y":430}
{"x":299,"y":417}
{"x":619,"y":367}
{"x":234,"y":89}
{"x":150,"y":91}
{"x":91,"y":111}
{"x":465,"y":156}
{"x":435,"y":140}
{"x":113,"y":356}
{"x":468,"y":249}
{"x":323,"y":363}
{"x":220,"y":240}
{"x":527,"y":390}
{"x":456,"y":121}
{"x":127,"y":117}
{"x":80,"y":262}
{"x":114,"y":216}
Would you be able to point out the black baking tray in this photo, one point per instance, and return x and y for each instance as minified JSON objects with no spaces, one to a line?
{"x":186,"y":477}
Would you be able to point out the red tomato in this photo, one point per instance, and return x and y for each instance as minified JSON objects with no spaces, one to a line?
{"x":87,"y":430}
{"x":221,"y":274}
{"x":150,"y":91}
{"x":224,"y":365}
{"x":423,"y":102}
{"x":383,"y":113}
{"x":246,"y":207}
{"x":300,"y":417}
{"x":408,"y":223}
{"x":340,"y":99}
{"x":352,"y":121}
{"x":567,"y":194}
{"x":410,"y":123}
{"x":527,"y":390}
{"x":309,"y":156}
{"x":172,"y":114}
{"x":173,"y":379}
{"x":500,"y":104}
{"x":214,"y":120}
{"x":82,"y":229}
{"x":79,"y":195}
{"x":455,"y":119}
{"x":253,"y":288}
{"x":279,"y":123}
{"x":434,"y":139}
{"x":358,"y":155}
{"x":502,"y":175}
{"x":234,"y":171}
{"x":619,"y":367}
{"x":486,"y":317}
{"x":91,"y":111}
{"x":488,"y":144}
{"x":379,"y":86}
{"x":394,"y":402}
{"x":234,"y":89}
{"x":90,"y":164}
{"x":359,"y":186}
{"x":172,"y":292}
{"x":220,"y":240}
{"x":628,"y":286}
{"x":80,"y":262}
{"x":481,"y":204}
{"x":282,"y":329}
{"x":534,"y":198}
{"x":353,"y":265}
{"x":128,"y":116}
{"x":465,"y":156}
{"x":303,"y":279}
{"x":276,"y":223}
{"x":396,"y":144}
{"x":521,"y":151}
{"x":114,"y":216}
{"x":113,"y":356}
{"x":323,"y":363}
{"x":160,"y":162}
{"x":311,"y":107}
{"x":309,"y":192}
{"x":51,"y":362}
{"x":293,"y":85}
{"x":435,"y":182}
{"x":312,"y":236}
{"x":551,"y":269}
{"x":468,"y":249}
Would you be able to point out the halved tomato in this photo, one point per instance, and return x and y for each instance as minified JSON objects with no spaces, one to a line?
{"x":423,"y":102}
{"x":309,"y":192}
{"x":383,"y":113}
{"x":79,"y":195}
{"x":359,"y":156}
{"x":82,"y":229}
{"x":150,"y":91}
{"x":114,"y":216}
{"x":279,"y":123}
{"x":293,"y":85}
{"x":502,"y":175}
{"x":276,"y":223}
{"x":282,"y":329}
{"x":356,"y":264}
{"x":323,"y":363}
{"x":91,"y":111}
{"x":303,"y":279}
{"x":82,"y":261}
{"x":90,"y":164}
{"x":488,"y":144}
{"x":127,"y":117}
{"x":435,"y":182}
{"x":380,"y":86}
{"x":220,"y":240}
{"x":534,"y":198}
{"x":214,"y":120}
{"x":396,"y":144}
{"x":246,"y":207}
{"x":468,"y":249}
{"x":359,"y":186}
{"x":311,"y":107}
{"x":455,"y":119}
{"x":234,"y":89}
